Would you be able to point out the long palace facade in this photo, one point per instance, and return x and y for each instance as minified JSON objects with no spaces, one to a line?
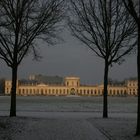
{"x":72,"y":86}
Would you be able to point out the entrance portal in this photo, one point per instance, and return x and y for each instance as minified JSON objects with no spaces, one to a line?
{"x":72,"y":91}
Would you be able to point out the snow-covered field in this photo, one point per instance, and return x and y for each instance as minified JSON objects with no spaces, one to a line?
{"x":68,"y":118}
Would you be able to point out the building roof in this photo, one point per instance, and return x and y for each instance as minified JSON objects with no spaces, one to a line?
{"x":48,"y":80}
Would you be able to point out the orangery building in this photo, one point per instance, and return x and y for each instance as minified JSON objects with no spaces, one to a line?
{"x":71,"y":86}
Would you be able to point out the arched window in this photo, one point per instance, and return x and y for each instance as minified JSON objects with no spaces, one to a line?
{"x":30,"y":91}
{"x":99,"y":92}
{"x":63,"y":91}
{"x":130,"y":91}
{"x":37,"y":91}
{"x":134,"y":92}
{"x":67,"y":91}
{"x":52,"y":91}
{"x":114,"y":92}
{"x":41,"y":91}
{"x":56,"y":91}
{"x":19,"y":91}
{"x":33,"y":91}
{"x":60,"y":91}
{"x":84,"y":91}
{"x":72,"y":83}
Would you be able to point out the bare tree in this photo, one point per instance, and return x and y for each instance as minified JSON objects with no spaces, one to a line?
{"x":22,"y":22}
{"x":2,"y":86}
{"x":106,"y":28}
{"x":133,"y":7}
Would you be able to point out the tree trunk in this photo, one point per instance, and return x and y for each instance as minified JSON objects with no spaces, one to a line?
{"x":138,"y":71}
{"x":13,"y":92}
{"x":105,"y":103}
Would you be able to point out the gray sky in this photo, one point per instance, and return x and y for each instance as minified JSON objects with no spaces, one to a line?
{"x":71,"y":58}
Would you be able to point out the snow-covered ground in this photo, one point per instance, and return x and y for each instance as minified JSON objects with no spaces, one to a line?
{"x":68,"y":118}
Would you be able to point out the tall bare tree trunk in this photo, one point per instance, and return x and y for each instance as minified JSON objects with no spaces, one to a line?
{"x":138,"y":71}
{"x":22,"y":22}
{"x":13,"y":91}
{"x":105,"y":102}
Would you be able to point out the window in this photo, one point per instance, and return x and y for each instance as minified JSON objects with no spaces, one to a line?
{"x":72,"y":83}
{"x":60,"y":91}
{"x":56,"y":91}
{"x":114,"y":92}
{"x":33,"y":91}
{"x":52,"y":90}
{"x":130,"y":91}
{"x":30,"y":90}
{"x":84,"y":91}
{"x":134,"y":92}
{"x":23,"y":91}
{"x":77,"y":91}
{"x":19,"y":91}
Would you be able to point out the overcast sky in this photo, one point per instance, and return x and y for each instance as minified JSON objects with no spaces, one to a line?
{"x":71,"y":58}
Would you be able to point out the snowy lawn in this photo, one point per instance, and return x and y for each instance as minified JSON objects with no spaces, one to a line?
{"x":70,"y":104}
{"x":68,"y":118}
{"x":116,"y":128}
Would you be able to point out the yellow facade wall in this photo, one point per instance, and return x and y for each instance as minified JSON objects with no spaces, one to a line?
{"x":72,"y":87}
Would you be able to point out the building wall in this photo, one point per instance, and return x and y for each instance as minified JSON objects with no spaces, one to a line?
{"x":132,"y":86}
{"x":72,"y":87}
